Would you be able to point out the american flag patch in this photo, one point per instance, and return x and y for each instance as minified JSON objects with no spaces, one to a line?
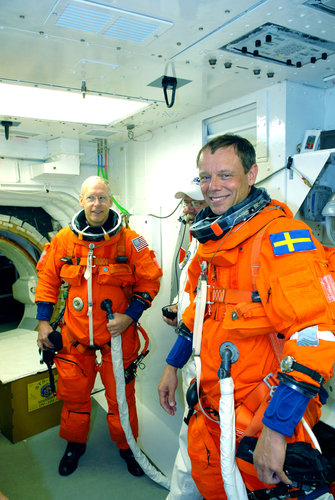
{"x":139,"y":243}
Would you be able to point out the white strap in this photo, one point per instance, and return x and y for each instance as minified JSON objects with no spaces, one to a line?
{"x":200,"y":306}
{"x":88,"y":277}
{"x":311,"y":434}
{"x":199,"y":312}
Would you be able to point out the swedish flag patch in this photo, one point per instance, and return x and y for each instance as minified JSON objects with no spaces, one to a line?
{"x":298,"y":240}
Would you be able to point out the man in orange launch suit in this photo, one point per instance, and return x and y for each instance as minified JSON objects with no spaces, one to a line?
{"x":271,"y":294}
{"x":99,"y":259}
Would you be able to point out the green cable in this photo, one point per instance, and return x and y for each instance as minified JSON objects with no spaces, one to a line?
{"x":123,"y":210}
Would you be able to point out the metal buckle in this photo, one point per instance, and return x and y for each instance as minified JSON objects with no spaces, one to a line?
{"x":271,"y":387}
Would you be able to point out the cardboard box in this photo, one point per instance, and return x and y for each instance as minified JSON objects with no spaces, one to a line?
{"x":27,"y":407}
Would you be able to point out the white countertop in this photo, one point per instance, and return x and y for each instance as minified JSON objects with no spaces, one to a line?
{"x":19,"y":355}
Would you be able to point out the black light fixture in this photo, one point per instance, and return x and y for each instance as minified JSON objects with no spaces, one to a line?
{"x":169,"y":83}
{"x":6,"y":124}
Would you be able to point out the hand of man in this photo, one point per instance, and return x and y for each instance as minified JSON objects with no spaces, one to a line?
{"x":119,"y":324}
{"x":171,"y":322}
{"x":269,"y":457}
{"x":44,"y":329}
{"x":167,"y":389}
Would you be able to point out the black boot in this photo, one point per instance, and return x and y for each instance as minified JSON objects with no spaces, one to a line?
{"x":69,"y":461}
{"x":132,"y":465}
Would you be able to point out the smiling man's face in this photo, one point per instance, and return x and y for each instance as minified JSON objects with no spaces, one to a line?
{"x":96,"y":202}
{"x":223,"y":181}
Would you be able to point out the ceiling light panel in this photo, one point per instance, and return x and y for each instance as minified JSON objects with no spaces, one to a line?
{"x":99,"y":19}
{"x":59,"y":105}
{"x":278,"y":44}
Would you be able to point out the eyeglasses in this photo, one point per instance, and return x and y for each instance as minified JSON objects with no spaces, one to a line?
{"x":101,"y":199}
{"x":193,"y":203}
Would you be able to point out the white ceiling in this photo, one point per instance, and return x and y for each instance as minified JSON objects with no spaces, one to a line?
{"x":179,"y":35}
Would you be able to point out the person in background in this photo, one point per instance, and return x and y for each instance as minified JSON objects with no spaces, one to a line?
{"x":99,"y":259}
{"x":182,"y":484}
{"x":270,"y":293}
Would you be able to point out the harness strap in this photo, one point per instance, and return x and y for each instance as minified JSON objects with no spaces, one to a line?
{"x":74,"y":252}
{"x":198,"y":326}
{"x":200,"y":310}
{"x":88,"y":277}
{"x":98,"y":261}
{"x":90,"y":261}
{"x":121,"y":244}
{"x":255,"y":251}
{"x":228,"y":295}
{"x":81,"y":347}
{"x":276,"y":343}
{"x":247,"y":298}
{"x":249,"y":414}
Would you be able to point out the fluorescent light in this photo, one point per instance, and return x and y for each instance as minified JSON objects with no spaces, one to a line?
{"x":49,"y":104}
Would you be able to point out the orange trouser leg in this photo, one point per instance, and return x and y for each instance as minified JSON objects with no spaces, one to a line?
{"x":113,"y":418}
{"x":205,"y":459}
{"x":204,"y":452}
{"x":76,"y":375}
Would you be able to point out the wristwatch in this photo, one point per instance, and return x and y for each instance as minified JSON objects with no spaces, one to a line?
{"x":288,"y":364}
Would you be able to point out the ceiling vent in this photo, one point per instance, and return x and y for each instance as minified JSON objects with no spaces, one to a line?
{"x":278,"y":44}
{"x":78,"y":17}
{"x":101,"y":133}
{"x":324,"y":5}
{"x":131,"y":29}
{"x":95,"y":18}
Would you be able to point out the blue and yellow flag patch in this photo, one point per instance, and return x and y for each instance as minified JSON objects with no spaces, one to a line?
{"x":298,"y":240}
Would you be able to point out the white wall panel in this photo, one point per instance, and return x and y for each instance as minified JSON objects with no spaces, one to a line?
{"x":145,"y":175}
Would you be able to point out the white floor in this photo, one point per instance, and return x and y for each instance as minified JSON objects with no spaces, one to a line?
{"x":29,"y":469}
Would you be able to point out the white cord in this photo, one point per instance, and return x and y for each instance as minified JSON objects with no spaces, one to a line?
{"x":311,"y":434}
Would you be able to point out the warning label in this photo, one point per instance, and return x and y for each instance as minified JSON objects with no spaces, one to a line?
{"x":40,"y":395}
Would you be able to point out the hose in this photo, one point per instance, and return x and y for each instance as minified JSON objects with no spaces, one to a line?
{"x":149,"y":469}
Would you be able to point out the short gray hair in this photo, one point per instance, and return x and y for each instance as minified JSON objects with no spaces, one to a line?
{"x":92,"y":180}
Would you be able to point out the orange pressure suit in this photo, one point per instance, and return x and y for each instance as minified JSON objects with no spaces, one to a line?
{"x":66,"y":259}
{"x":296,"y":290}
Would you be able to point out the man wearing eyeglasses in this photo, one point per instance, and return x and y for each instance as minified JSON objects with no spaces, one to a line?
{"x":182,"y":484}
{"x":99,"y":259}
